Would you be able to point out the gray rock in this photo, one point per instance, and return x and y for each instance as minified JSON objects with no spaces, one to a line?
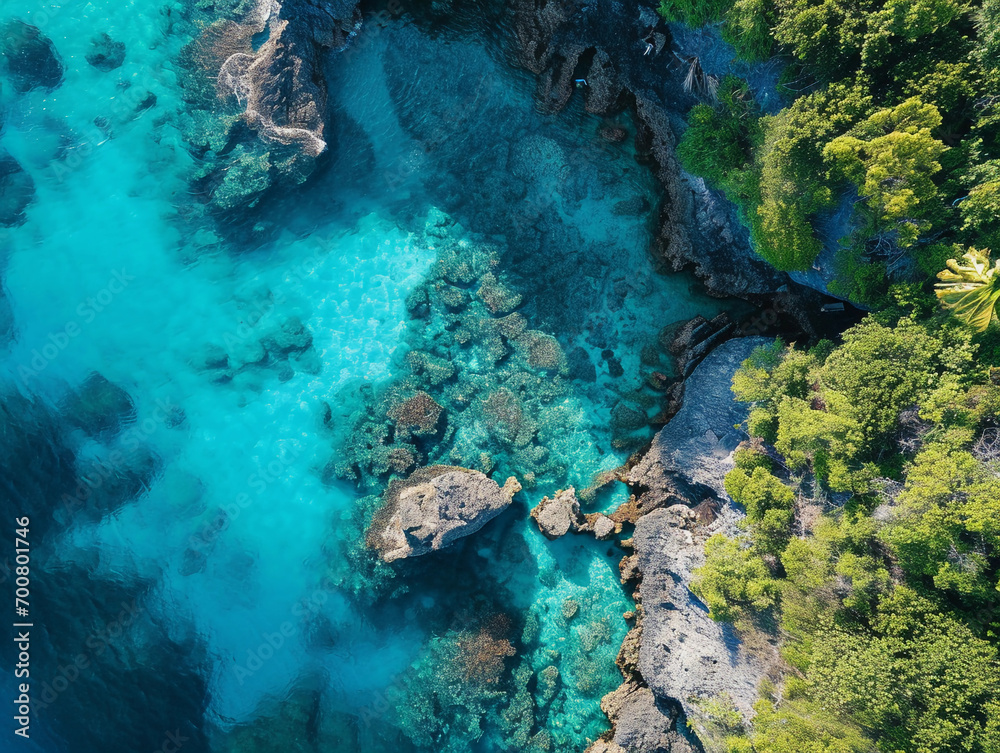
{"x":683,"y":653}
{"x":604,"y":527}
{"x":433,"y":508}
{"x":693,"y":452}
{"x":558,"y":515}
{"x":643,"y":727}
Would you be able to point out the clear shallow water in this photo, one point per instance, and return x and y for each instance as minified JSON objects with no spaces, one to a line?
{"x":222,"y":509}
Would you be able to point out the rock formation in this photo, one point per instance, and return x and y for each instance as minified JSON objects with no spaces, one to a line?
{"x":433,"y":508}
{"x":676,"y":655}
{"x":605,"y":43}
{"x":280,"y":85}
{"x":684,"y":654}
{"x":279,"y":89}
{"x":31,"y":57}
{"x":691,"y":455}
{"x":17,"y":190}
{"x":560,"y":514}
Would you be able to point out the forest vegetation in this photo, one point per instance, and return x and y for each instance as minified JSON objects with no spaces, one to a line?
{"x":870,"y":476}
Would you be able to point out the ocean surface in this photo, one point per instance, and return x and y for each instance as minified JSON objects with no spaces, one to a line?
{"x":195,"y":405}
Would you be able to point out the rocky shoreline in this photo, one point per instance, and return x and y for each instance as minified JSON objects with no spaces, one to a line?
{"x":675,"y":658}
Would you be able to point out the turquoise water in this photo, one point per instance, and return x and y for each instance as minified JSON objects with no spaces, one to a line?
{"x":213,"y":478}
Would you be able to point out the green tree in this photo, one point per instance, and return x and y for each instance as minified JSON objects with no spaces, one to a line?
{"x":919,"y":681}
{"x":891,"y":157}
{"x":770,"y":506}
{"x":947,"y":527}
{"x":720,"y":140}
{"x":734,"y":580}
{"x":794,"y":182}
{"x":748,"y":28}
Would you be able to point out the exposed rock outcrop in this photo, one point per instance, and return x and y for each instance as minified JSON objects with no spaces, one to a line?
{"x":645,"y":725}
{"x":689,"y":458}
{"x":278,"y":89}
{"x":683,"y":653}
{"x":433,"y":508}
{"x":560,"y":514}
{"x":676,"y":655}
{"x":281,"y":85}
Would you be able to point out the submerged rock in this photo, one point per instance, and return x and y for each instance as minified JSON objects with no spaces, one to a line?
{"x":433,"y":508}
{"x":17,"y":190}
{"x":32,"y":60}
{"x":107,"y":53}
{"x":99,"y":406}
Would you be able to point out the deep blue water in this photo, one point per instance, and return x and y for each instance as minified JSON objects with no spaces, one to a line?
{"x":195,"y":486}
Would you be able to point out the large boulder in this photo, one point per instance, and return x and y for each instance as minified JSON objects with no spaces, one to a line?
{"x":435,"y":507}
{"x":558,"y":515}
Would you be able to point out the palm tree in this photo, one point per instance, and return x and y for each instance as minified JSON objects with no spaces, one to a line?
{"x":971,"y":289}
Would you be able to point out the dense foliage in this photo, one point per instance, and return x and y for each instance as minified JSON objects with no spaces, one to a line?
{"x":887,"y":151}
{"x":871,"y":485}
{"x":870,"y":551}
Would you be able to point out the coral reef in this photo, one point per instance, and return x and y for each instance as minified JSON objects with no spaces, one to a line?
{"x":459,"y":683}
{"x":484,"y":390}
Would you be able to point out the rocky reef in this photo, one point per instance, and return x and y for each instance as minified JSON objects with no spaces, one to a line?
{"x":478,"y":384}
{"x":17,"y":190}
{"x":258,"y":112}
{"x":434,"y":507}
{"x":605,"y":44}
{"x":32,"y":61}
